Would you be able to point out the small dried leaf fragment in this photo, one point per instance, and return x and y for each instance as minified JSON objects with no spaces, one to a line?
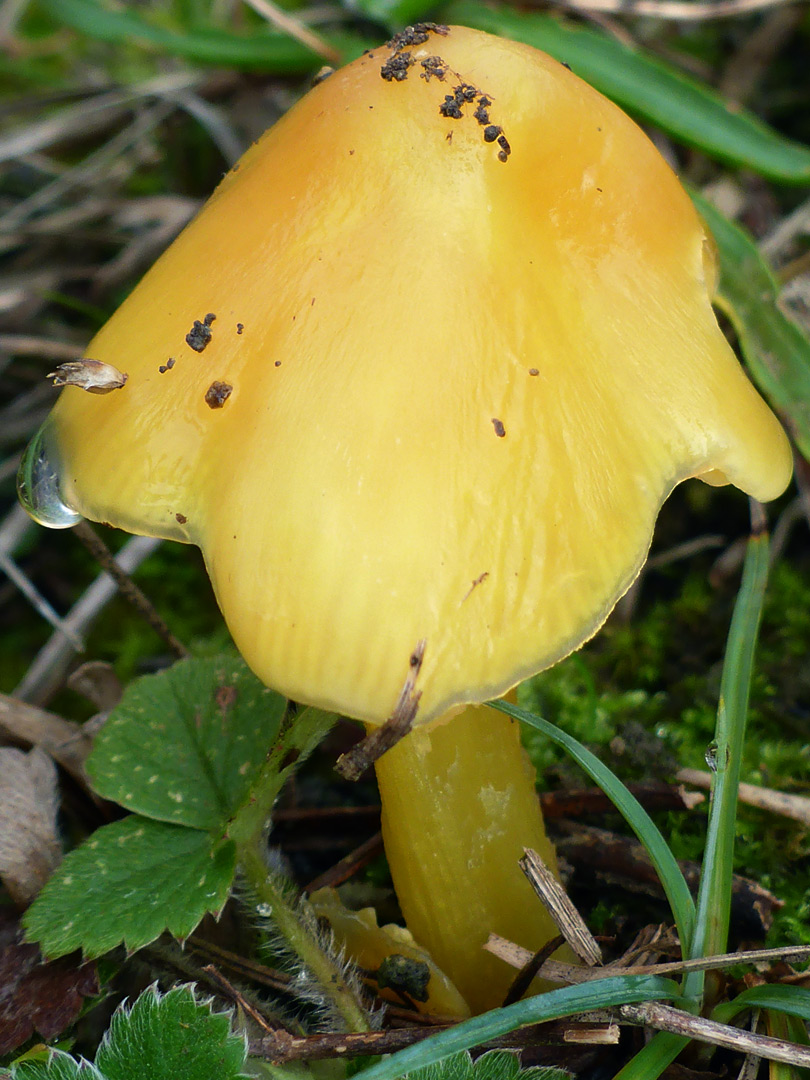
{"x":92,"y":375}
{"x":29,"y":800}
{"x":98,"y":683}
{"x":35,"y":996}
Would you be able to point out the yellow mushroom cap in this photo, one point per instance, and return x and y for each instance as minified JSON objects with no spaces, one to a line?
{"x":459,"y":370}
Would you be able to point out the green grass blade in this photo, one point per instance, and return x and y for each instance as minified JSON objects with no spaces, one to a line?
{"x":262,"y":51}
{"x":675,"y":887}
{"x":650,"y":1062}
{"x":714,"y":894}
{"x":775,"y":348}
{"x":787,"y":1010}
{"x":793,"y":1000}
{"x":649,"y":88}
{"x":597,"y":994}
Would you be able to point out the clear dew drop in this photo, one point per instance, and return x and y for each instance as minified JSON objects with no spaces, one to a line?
{"x":711,"y":756}
{"x":264,"y":909}
{"x":38,"y":484}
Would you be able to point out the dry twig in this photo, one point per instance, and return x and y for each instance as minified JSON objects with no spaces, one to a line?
{"x":676,"y":10}
{"x":296,"y":29}
{"x":127,"y":587}
{"x":558,"y":904}
{"x":47,"y":672}
{"x":517,"y":956}
{"x":660,"y":1017}
{"x":779,"y":802}
{"x":63,"y":740}
{"x":349,"y":865}
{"x":354,"y":762}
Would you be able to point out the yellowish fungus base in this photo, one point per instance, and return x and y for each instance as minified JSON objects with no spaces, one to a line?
{"x":459,"y":807}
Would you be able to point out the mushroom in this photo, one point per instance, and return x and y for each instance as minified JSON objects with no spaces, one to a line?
{"x":462,"y":309}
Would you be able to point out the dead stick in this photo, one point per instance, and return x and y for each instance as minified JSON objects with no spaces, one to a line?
{"x":281,"y":1047}
{"x":354,"y":762}
{"x":559,"y":906}
{"x":127,"y":587}
{"x":517,"y":956}
{"x":524,"y":978}
{"x":349,"y":865}
{"x":664,"y":1018}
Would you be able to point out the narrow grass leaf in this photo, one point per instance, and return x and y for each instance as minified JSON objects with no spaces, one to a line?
{"x":651,"y":1060}
{"x":776,"y":350}
{"x":672,"y":879}
{"x":394,"y":13}
{"x":725,"y":757}
{"x":266,"y":50}
{"x":794,"y":1000}
{"x":649,"y":88}
{"x":598,"y":994}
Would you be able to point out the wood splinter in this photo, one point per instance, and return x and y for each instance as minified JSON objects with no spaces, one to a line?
{"x":354,"y":762}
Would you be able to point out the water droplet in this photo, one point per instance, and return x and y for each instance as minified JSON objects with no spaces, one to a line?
{"x":38,"y":484}
{"x":711,"y":756}
{"x":264,"y":909}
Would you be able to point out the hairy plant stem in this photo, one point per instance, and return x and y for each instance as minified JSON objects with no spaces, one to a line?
{"x":247,"y":829}
{"x":289,"y":922}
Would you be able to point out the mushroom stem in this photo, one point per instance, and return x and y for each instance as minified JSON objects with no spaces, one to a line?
{"x":459,"y":806}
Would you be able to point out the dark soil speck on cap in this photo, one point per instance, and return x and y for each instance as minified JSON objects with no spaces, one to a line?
{"x":434,"y":66}
{"x":417,"y":34}
{"x":500,"y":430}
{"x":451,"y":108}
{"x":200,"y":334}
{"x":217,"y":394}
{"x":395,"y":68}
{"x":181,"y":519}
{"x":481,"y":113}
{"x":239,"y":327}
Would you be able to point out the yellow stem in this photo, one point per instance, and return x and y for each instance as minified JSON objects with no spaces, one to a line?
{"x":459,"y":806}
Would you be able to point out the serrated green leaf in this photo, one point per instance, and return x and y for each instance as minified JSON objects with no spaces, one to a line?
{"x":131,"y":881}
{"x":59,"y":1066}
{"x":505,"y":1065}
{"x":171,"y":1036}
{"x":494,"y":1065}
{"x":776,"y":350}
{"x":184,"y":746}
{"x":649,"y":88}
